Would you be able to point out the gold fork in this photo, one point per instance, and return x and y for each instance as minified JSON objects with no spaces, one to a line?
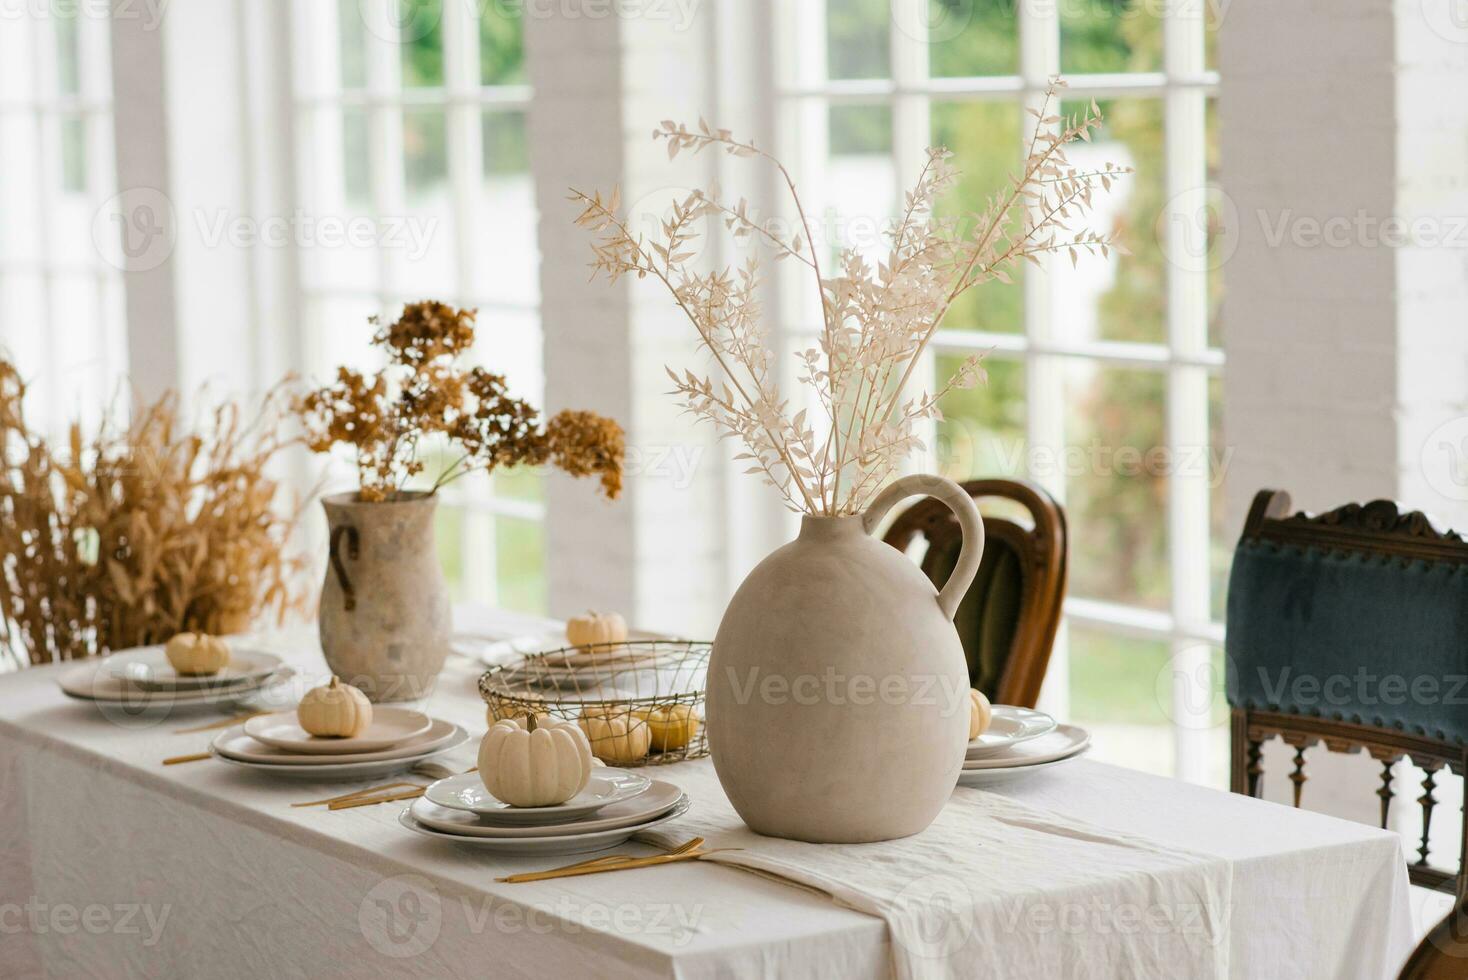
{"x":687,"y":852}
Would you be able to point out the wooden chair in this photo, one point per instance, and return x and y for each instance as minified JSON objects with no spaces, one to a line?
{"x":1009,"y":617}
{"x":1350,"y":629}
{"x":1443,"y":952}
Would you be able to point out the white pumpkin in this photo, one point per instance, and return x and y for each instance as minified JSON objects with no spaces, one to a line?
{"x":543,"y":764}
{"x":335,"y":711}
{"x":197,"y":653}
{"x":980,"y":714}
{"x":616,"y":736}
{"x":594,"y":628}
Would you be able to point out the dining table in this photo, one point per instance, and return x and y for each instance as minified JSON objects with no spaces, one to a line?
{"x":114,"y":864}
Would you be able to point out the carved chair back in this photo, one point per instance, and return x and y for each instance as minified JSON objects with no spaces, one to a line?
{"x":1009,"y":617}
{"x":1350,"y":629}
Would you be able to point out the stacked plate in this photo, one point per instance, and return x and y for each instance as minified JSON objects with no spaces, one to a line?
{"x":144,"y":678}
{"x":397,"y":739}
{"x":614,"y":805}
{"x":1019,"y":742}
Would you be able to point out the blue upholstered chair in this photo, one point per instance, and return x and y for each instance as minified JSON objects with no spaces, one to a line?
{"x":1350,"y":629}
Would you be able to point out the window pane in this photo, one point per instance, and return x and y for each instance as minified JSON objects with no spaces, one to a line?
{"x":1221,"y":238}
{"x":1114,"y":692}
{"x":352,"y":32}
{"x":861,"y":182}
{"x":520,"y":554}
{"x":1116,"y":479}
{"x":506,"y":148}
{"x":508,"y":262}
{"x":73,"y":154}
{"x":1110,"y":36}
{"x":68,"y":77}
{"x":421,"y":33}
{"x":1122,"y":297}
{"x":525,"y":483}
{"x":985,"y":140}
{"x":425,"y":155}
{"x":857,"y":39}
{"x":982,"y":433}
{"x":972,"y":37}
{"x":356,"y":157}
{"x":1221,"y":535}
{"x":501,"y":44}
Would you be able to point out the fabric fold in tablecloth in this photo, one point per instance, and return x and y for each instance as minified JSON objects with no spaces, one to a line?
{"x":1069,"y":899}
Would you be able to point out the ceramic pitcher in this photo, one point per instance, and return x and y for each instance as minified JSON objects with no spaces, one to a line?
{"x":838,"y":706}
{"x":385,"y":621}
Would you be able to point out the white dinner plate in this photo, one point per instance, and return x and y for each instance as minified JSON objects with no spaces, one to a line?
{"x":577,"y":844}
{"x":467,"y":792}
{"x":1065,"y":741}
{"x":1008,"y":726}
{"x":988,"y":777}
{"x":659,"y":799}
{"x":345,"y":770}
{"x":92,"y":683}
{"x":149,"y":669}
{"x":390,"y":727}
{"x":237,"y":744}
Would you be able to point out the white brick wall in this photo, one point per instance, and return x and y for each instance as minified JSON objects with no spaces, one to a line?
{"x":1342,"y":358}
{"x":658,"y":555}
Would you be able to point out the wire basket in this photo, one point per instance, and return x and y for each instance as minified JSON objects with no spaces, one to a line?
{"x":640,"y":702}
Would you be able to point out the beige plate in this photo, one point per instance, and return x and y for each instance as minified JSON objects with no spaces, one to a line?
{"x":92,"y":683}
{"x":149,"y":669}
{"x":658,"y":800}
{"x":1062,"y":743}
{"x":467,"y":792}
{"x":390,"y":727}
{"x":236,"y":744}
{"x":355,"y":770}
{"x":565,"y":844}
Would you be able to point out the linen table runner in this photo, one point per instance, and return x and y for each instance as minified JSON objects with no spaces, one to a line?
{"x":1068,"y":899}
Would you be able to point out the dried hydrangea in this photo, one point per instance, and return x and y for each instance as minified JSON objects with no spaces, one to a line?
{"x":877,"y":321}
{"x":424,"y":391}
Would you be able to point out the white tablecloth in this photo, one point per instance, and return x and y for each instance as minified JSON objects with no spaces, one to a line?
{"x":113,"y":865}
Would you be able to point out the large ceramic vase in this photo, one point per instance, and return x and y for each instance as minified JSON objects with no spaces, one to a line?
{"x":838,"y":706}
{"x":385,"y":621}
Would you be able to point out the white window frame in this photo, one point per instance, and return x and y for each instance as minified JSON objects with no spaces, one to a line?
{"x":804,"y":93}
{"x":48,"y":106}
{"x":463,"y":99}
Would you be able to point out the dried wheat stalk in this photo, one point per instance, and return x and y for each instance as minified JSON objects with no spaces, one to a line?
{"x":127,"y":536}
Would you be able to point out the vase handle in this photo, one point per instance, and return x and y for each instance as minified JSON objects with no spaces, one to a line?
{"x":349,"y":595}
{"x":963,"y":508}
